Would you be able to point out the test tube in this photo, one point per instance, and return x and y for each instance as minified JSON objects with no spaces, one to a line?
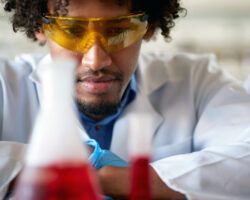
{"x":140,"y":137}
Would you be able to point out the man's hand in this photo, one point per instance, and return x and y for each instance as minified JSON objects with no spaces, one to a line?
{"x":100,"y":157}
{"x":114,"y":175}
{"x":115,"y":182}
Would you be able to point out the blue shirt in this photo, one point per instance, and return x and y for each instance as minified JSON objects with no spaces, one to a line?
{"x":102,"y":130}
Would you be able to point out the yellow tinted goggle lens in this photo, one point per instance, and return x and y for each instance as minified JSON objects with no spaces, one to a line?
{"x":79,"y":34}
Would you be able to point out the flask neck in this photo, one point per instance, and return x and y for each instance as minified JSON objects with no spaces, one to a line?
{"x":57,"y":84}
{"x":56,"y":134}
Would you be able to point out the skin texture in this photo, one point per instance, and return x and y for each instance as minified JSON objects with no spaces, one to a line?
{"x":96,"y":68}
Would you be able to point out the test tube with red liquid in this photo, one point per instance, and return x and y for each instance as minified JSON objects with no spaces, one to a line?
{"x":140,"y":152}
{"x":56,"y":165}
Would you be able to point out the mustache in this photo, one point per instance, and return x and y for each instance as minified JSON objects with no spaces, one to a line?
{"x":100,"y":74}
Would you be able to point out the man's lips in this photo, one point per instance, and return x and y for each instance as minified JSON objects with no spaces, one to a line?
{"x":96,"y":79}
{"x":97,"y":85}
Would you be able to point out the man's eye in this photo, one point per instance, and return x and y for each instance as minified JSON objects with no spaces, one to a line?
{"x":74,"y":31}
{"x":115,"y":31}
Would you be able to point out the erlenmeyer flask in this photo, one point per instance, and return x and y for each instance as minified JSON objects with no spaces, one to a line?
{"x":56,"y":165}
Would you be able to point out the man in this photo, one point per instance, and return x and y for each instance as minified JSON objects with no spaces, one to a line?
{"x":201,"y":119}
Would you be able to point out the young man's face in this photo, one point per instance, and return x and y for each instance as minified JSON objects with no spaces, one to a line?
{"x":102,"y":77}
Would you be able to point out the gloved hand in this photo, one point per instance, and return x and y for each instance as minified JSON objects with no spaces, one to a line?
{"x":100,"y":158}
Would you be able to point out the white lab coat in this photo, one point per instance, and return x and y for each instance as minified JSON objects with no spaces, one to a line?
{"x":201,"y":122}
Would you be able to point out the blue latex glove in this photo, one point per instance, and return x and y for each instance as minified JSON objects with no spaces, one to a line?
{"x":100,"y":158}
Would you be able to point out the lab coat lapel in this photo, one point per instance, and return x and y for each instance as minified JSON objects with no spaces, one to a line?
{"x":149,"y":80}
{"x":153,"y":73}
{"x":119,"y":144}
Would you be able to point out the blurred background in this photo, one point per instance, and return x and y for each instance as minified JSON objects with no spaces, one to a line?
{"x":221,"y":27}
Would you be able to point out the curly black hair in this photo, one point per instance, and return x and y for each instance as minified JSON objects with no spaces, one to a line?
{"x":27,"y":14}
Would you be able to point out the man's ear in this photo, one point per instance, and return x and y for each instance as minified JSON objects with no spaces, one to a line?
{"x":40,"y":36}
{"x":150,"y":32}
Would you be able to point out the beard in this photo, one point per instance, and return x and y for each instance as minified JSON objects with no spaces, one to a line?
{"x":100,"y":107}
{"x":97,"y":110}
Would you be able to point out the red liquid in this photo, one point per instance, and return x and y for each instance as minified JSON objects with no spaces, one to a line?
{"x":57,"y":183}
{"x":140,"y":179}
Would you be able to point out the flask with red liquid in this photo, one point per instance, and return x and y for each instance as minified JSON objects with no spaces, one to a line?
{"x":140,"y":152}
{"x":56,"y":165}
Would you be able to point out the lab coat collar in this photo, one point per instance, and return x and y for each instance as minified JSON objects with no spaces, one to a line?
{"x":156,"y":69}
{"x":150,"y":79}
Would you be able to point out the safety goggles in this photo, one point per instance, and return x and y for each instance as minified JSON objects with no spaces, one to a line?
{"x":80,"y":34}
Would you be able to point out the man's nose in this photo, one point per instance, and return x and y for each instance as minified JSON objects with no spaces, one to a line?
{"x":96,"y":58}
